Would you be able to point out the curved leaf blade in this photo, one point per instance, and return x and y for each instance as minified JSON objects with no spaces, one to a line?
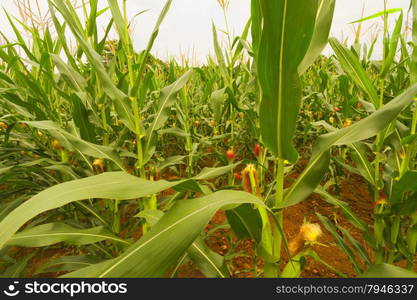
{"x":387,"y":271}
{"x":166,"y":100}
{"x":82,"y":146}
{"x":208,"y":262}
{"x":115,"y":185}
{"x":166,"y":242}
{"x":364,"y":129}
{"x":320,"y":35}
{"x":353,"y":68}
{"x":53,"y":233}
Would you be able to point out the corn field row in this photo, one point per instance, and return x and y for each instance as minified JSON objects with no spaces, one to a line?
{"x":116,"y":161}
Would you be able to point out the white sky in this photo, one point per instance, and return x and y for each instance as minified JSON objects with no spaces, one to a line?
{"x":187,"y":28}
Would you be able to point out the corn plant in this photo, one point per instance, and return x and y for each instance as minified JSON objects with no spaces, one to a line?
{"x":281,"y":101}
{"x":282,"y":35}
{"x":122,"y":159}
{"x":393,"y":235}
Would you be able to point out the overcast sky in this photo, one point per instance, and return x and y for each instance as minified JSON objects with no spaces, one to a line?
{"x":187,"y":28}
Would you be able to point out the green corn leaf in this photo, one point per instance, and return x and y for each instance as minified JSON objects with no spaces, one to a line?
{"x":17,"y":269}
{"x":209,"y":173}
{"x":120,"y":99}
{"x":242,"y":41}
{"x":7,"y":208}
{"x":286,"y":34}
{"x":81,"y":120}
{"x":362,"y":130}
{"x":151,"y":42}
{"x":392,"y":47}
{"x":246,"y":222}
{"x":256,"y":28}
{"x":111,"y":185}
{"x":378,"y":14}
{"x":20,"y":38}
{"x":339,"y":241}
{"x":81,"y":146}
{"x":347,"y":211}
{"x":73,"y":78}
{"x":208,"y":262}
{"x":217,"y":101}
{"x":387,"y":271}
{"x":358,"y":247}
{"x":353,"y":68}
{"x":92,"y":19}
{"x":166,"y":242}
{"x":219,"y":55}
{"x":116,"y":185}
{"x":27,"y":109}
{"x":407,"y":183}
{"x":175,"y":131}
{"x":67,"y":263}
{"x":413,"y":63}
{"x":171,"y":161}
{"x":361,"y":159}
{"x":119,"y":22}
{"x":412,"y":239}
{"x":294,"y":267}
{"x":60,"y":30}
{"x":166,"y":100}
{"x":53,"y":233}
{"x":320,"y":35}
{"x":151,"y":216}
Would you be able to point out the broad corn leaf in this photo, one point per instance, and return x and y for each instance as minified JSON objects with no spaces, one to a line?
{"x":288,"y":27}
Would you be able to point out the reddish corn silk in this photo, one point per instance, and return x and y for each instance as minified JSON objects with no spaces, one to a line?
{"x":230,"y":154}
{"x":237,"y":176}
{"x":257,"y":150}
